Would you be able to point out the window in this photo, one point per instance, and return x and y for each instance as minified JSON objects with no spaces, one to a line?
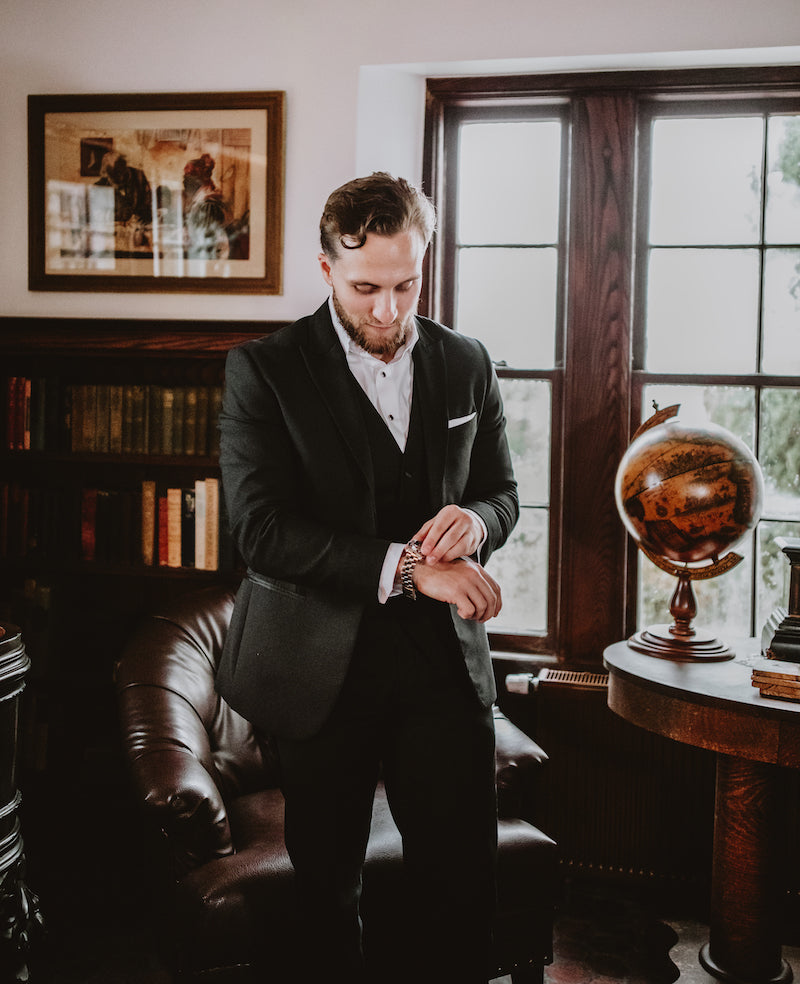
{"x":719,"y":294}
{"x":616,"y":240}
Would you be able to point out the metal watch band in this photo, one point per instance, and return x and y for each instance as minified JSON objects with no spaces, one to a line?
{"x":412,"y":555}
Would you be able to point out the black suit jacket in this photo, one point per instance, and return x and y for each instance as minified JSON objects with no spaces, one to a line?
{"x":299,"y":492}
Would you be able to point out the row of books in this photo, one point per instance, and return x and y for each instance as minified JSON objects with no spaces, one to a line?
{"x":153,"y":525}
{"x":45,"y":414}
{"x":181,"y":526}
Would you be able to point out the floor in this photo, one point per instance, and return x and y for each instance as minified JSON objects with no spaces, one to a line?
{"x":602,"y":935}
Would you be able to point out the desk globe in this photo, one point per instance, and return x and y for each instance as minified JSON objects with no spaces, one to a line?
{"x":686,"y":494}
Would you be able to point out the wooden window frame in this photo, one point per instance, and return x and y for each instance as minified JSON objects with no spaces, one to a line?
{"x":596,"y":383}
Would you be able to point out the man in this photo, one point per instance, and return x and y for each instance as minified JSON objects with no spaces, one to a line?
{"x":133,"y":198}
{"x":367,"y":478}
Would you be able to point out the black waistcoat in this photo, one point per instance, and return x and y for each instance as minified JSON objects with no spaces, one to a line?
{"x":402,"y":505}
{"x":402,"y":496}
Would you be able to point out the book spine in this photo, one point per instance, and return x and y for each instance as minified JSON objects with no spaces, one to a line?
{"x":102,"y":437}
{"x":76,"y":417}
{"x":26,"y":415}
{"x":115,"y":419}
{"x":212,"y":524}
{"x":127,"y":419}
{"x":215,"y":406}
{"x":167,"y":411}
{"x":11,"y":412}
{"x":178,"y":419}
{"x":201,"y":436}
{"x":89,"y":419}
{"x":39,"y":414}
{"x":163,"y":531}
{"x":139,"y":436}
{"x":88,"y":524}
{"x":174,"y":524}
{"x":155,"y":400}
{"x":187,"y":527}
{"x":190,"y":420}
{"x":200,"y":507}
{"x":148,"y":525}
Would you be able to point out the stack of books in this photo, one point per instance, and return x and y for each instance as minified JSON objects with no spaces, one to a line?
{"x":776,"y":677}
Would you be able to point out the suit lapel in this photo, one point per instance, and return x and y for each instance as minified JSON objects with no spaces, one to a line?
{"x":327,"y":366}
{"x":430,"y":392}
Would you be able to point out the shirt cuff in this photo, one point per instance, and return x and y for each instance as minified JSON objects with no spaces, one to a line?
{"x":485,"y":533}
{"x":387,"y":586}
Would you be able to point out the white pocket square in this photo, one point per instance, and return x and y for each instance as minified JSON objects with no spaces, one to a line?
{"x":457,"y":421}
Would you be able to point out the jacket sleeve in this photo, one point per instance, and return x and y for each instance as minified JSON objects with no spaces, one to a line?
{"x":491,"y":489}
{"x":265,"y":490}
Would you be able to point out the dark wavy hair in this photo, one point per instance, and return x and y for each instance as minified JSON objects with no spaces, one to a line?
{"x":381,"y":204}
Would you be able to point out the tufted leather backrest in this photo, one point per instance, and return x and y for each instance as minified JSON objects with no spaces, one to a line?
{"x":168,"y":702}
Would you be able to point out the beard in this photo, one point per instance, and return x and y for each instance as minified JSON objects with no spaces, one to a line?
{"x":385,"y":344}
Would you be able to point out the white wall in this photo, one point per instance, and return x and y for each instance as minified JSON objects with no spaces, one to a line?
{"x":353,"y":74}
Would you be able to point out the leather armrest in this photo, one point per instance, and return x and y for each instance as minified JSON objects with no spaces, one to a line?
{"x":518,"y":760}
{"x":182,"y":799}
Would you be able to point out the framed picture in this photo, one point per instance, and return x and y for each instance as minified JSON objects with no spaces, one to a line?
{"x":170,"y":192}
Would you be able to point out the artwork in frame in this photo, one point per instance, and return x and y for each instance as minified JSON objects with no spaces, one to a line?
{"x":165,"y":192}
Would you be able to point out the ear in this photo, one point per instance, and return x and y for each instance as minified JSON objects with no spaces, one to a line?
{"x":325,"y":266}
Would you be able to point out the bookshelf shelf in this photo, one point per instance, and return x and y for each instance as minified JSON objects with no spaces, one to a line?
{"x":44,"y":569}
{"x":33,"y":459}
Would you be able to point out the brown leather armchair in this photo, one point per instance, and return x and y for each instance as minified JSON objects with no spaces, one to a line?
{"x":221,"y":873}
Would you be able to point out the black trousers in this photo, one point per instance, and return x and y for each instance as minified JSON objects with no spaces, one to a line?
{"x":408,"y":714}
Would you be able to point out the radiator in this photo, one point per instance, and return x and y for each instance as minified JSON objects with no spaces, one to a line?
{"x":617,"y":799}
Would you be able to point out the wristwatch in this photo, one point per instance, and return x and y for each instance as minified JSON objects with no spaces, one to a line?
{"x":412,"y":555}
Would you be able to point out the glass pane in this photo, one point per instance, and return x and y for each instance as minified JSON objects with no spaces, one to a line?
{"x":783,"y":180}
{"x":702,"y":310}
{"x":706,"y":180}
{"x":731,"y":407}
{"x":781,"y":354}
{"x":494,"y":303}
{"x":509,"y":177}
{"x":723,"y":602}
{"x":520,"y":569}
{"x":773,"y":572}
{"x":779,"y":454}
{"x":527,"y":408}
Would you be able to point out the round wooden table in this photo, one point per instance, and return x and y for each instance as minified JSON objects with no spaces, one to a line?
{"x":714,"y":705}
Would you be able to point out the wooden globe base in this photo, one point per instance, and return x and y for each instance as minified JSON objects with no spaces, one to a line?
{"x":680,"y":641}
{"x":659,"y":640}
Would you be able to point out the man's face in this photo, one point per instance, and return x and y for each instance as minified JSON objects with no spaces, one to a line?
{"x":376,"y":289}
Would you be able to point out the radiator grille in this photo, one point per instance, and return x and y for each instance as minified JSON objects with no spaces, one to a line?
{"x":575,"y":678}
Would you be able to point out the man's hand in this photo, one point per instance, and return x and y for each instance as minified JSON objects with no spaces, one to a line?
{"x":452,"y":533}
{"x":462,"y":583}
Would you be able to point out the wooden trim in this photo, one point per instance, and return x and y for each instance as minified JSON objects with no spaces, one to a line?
{"x":597,"y":376}
{"x":96,"y":336}
{"x":783,"y":78}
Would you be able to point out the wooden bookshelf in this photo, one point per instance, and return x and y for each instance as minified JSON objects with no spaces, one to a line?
{"x":75,"y":605}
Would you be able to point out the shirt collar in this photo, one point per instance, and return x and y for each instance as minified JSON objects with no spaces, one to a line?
{"x":351,"y":349}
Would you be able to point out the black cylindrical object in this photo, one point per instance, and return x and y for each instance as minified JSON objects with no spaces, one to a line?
{"x":19,"y":907}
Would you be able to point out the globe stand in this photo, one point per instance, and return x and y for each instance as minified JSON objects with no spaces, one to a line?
{"x":681,"y":641}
